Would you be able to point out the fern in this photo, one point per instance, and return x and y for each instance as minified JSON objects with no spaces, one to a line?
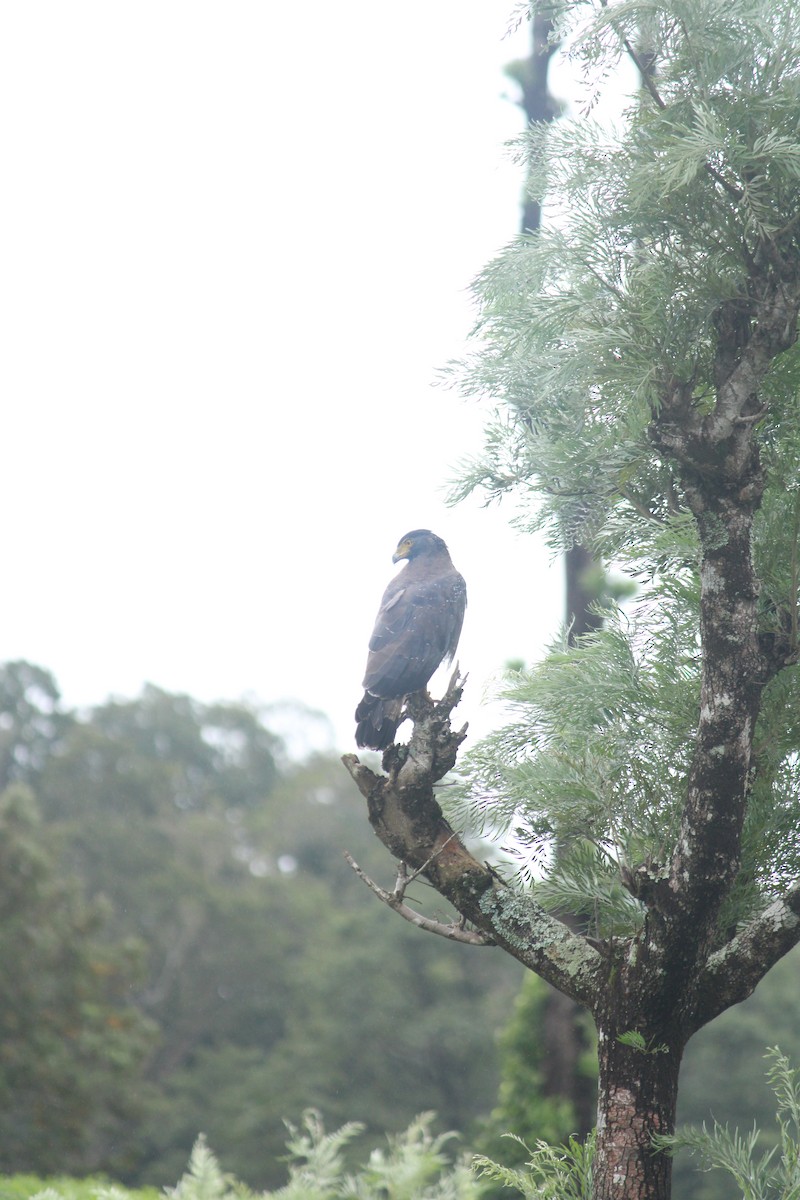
{"x":203,"y":1179}
{"x":551,"y":1173}
{"x":316,"y":1166}
{"x":771,"y":1175}
{"x":412,"y":1166}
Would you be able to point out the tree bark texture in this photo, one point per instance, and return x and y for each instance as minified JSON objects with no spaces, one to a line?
{"x":537,"y":100}
{"x":638,"y":1094}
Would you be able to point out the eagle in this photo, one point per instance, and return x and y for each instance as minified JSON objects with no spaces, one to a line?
{"x":417,"y":628}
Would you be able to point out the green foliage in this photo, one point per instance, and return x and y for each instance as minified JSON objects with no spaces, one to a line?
{"x":636,"y":1041}
{"x":722,"y":1078}
{"x":33,"y":722}
{"x":773,"y":1174}
{"x":553,"y":1172}
{"x":62,"y":1187}
{"x":595,"y":760}
{"x":582,"y":328}
{"x":270,"y":973}
{"x":412,"y":1166}
{"x":316,"y":1165}
{"x":523,"y":1109}
{"x":582,"y":322}
{"x":203,"y":1179}
{"x":71,"y":1043}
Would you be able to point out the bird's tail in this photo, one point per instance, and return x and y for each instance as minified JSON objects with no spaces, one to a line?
{"x":377,"y":721}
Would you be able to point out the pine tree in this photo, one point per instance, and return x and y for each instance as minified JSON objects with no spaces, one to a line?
{"x":640,"y":353}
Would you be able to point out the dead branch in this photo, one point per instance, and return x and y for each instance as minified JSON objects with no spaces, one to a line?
{"x":455,"y":931}
{"x":405,"y":815}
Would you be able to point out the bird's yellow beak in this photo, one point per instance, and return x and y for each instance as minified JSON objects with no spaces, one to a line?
{"x":401,"y":551}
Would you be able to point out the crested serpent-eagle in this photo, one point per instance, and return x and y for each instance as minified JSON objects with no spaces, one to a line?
{"x":417,"y":628}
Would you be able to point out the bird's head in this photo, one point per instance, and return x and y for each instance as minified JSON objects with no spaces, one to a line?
{"x":418,"y":541}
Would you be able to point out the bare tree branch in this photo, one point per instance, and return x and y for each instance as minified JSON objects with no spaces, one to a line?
{"x":406,"y":816}
{"x":733,"y":972}
{"x":394,"y":899}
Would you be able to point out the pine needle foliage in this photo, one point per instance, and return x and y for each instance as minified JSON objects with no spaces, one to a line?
{"x":582,"y":323}
{"x":551,"y":1173}
{"x":581,"y":328}
{"x":594,"y":761}
{"x":758,"y":1174}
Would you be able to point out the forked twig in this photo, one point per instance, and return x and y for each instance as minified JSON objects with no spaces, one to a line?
{"x":455,"y":931}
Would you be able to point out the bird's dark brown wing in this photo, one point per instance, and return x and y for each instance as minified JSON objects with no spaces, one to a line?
{"x":417,"y":628}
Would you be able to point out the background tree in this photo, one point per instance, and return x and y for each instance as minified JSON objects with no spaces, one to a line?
{"x":71,"y":1043}
{"x":545,"y":1090}
{"x":643,"y":358}
{"x":204,"y":847}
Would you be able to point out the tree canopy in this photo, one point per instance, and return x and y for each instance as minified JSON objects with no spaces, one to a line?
{"x":640,"y":354}
{"x":184,"y":948}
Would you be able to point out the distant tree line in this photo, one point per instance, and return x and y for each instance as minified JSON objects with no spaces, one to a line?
{"x":183,"y":948}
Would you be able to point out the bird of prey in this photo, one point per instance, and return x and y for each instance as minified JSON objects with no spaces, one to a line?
{"x":417,"y":628}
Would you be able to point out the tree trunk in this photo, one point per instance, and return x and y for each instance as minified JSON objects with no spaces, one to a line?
{"x":537,"y":101}
{"x":581,"y":592}
{"x":638,"y":1096}
{"x":562,"y":1031}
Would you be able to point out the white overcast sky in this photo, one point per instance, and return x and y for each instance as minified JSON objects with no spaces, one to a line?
{"x":236,"y":244}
